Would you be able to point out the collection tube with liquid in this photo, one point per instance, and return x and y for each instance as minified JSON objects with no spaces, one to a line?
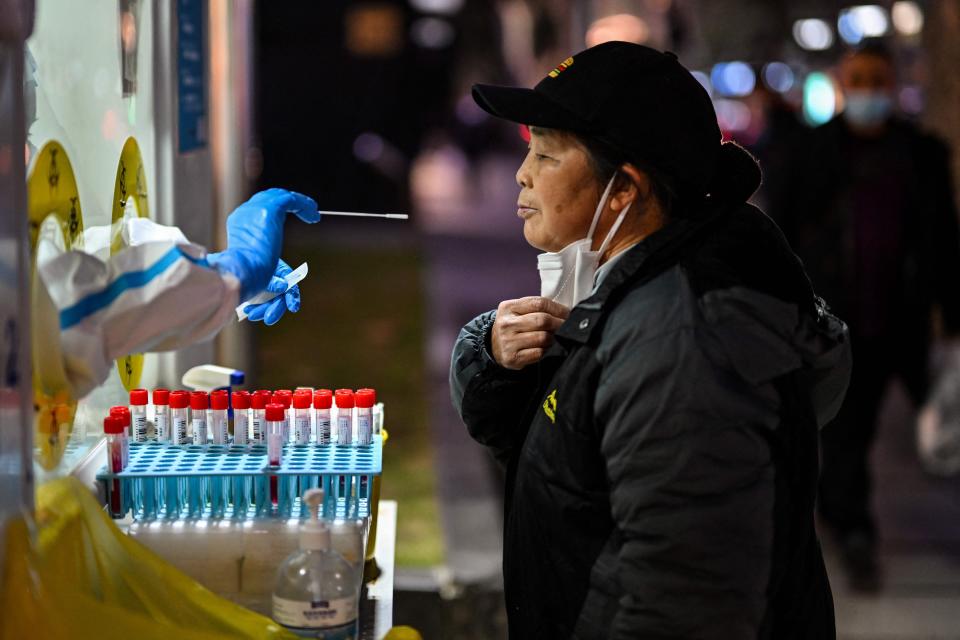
{"x":113,"y":428}
{"x":241,"y":417}
{"x":322,"y":401}
{"x":161,"y":415}
{"x":285,"y":397}
{"x":364,"y":399}
{"x":179,"y":416}
{"x":124,"y":414}
{"x":344,"y":400}
{"x":219,"y":422}
{"x":258,"y":419}
{"x":138,"y":415}
{"x":302,"y":417}
{"x":199,"y":403}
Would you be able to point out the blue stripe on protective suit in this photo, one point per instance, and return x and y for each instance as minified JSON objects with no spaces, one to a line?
{"x":95,"y":302}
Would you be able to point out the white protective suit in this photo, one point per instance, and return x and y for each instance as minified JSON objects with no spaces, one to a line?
{"x":157,"y":294}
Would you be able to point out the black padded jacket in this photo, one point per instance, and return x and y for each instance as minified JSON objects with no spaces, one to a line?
{"x":662,"y":457}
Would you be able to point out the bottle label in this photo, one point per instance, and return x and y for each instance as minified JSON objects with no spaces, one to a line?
{"x":180,"y":430}
{"x":344,"y":430}
{"x":239,"y":428}
{"x":139,"y":428}
{"x":318,"y":614}
{"x":364,"y":428}
{"x":258,"y":430}
{"x":199,"y":431}
{"x":302,"y":432}
{"x":323,"y":430}
{"x":162,"y":427}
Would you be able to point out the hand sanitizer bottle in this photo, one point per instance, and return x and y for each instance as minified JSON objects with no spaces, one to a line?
{"x":317,"y":590}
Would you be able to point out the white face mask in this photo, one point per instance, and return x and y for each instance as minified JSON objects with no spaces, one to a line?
{"x":566,"y":276}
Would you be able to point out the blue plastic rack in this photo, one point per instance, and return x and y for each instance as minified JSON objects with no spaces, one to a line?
{"x":164,"y":481}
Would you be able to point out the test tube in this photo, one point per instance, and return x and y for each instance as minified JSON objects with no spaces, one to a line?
{"x":344,"y":400}
{"x":377,"y":415}
{"x":241,"y":417}
{"x":161,"y":414}
{"x":124,"y":414}
{"x":240,"y":485}
{"x":274,"y":414}
{"x":364,"y":399}
{"x":199,"y":403}
{"x":259,"y":402}
{"x":322,"y":401}
{"x":219,"y":403}
{"x":179,"y":401}
{"x":302,"y":417}
{"x":284,"y":397}
{"x":114,"y":430}
{"x":138,"y":415}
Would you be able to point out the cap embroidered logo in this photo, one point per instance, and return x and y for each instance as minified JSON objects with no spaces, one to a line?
{"x":560,"y":68}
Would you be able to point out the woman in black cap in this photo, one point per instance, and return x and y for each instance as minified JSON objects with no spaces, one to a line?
{"x":657,"y":406}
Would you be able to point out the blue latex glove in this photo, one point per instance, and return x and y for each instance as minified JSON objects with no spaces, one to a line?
{"x":255,"y":235}
{"x":271,"y":312}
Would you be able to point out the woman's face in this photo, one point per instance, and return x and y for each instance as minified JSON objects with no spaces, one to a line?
{"x":559,"y":191}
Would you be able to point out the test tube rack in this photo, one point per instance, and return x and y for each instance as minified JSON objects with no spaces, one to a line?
{"x":164,"y":481}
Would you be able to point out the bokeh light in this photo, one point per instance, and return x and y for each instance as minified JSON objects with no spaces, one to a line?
{"x":778,"y":76}
{"x":733,"y":79}
{"x":813,"y":34}
{"x":865,"y":21}
{"x":907,"y":18}
{"x":819,"y":98}
{"x":443,"y":7}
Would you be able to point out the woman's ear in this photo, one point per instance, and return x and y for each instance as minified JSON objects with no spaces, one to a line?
{"x":631,"y":185}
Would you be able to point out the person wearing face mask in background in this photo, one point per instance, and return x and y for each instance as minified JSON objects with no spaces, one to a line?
{"x":657,"y":406}
{"x":869,"y":208}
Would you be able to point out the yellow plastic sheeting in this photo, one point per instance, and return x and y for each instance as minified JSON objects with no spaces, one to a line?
{"x":81,"y":577}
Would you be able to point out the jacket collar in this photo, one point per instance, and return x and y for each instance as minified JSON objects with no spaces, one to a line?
{"x":644,"y":261}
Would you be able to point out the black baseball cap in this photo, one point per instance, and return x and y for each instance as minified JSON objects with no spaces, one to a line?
{"x":640,"y":101}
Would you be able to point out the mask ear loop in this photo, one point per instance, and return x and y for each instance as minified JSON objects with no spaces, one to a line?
{"x":599,"y":210}
{"x":614,"y":229}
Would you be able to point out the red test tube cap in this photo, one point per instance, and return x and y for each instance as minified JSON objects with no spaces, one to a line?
{"x":259,"y":400}
{"x":365,"y":398}
{"x":113,"y":425}
{"x":179,"y":399}
{"x":219,"y":401}
{"x":344,"y":398}
{"x":323,"y":399}
{"x":138,"y":397}
{"x":241,"y":400}
{"x":121,"y":412}
{"x":302,"y":400}
{"x":373,"y":391}
{"x":275,"y":412}
{"x":161,"y":396}
{"x":199,"y":401}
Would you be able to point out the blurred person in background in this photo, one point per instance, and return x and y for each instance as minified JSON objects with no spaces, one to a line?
{"x":657,"y":406}
{"x":869,"y":208}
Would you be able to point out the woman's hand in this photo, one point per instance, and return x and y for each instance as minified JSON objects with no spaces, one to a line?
{"x":524,"y":330}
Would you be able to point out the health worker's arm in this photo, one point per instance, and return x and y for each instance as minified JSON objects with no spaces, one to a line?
{"x":161,"y":293}
{"x":154,"y":296}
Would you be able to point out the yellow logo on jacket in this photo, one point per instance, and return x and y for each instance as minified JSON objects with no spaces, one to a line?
{"x":550,"y":406}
